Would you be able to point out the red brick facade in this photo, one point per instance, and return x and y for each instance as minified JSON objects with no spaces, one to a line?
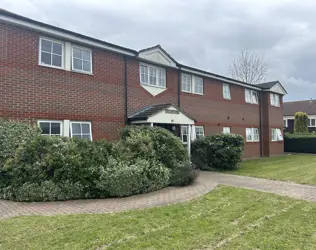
{"x":32,"y":92}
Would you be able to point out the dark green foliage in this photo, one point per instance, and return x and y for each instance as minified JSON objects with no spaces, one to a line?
{"x":300,"y":143}
{"x":222,"y":151}
{"x":301,"y":122}
{"x":182,"y":174}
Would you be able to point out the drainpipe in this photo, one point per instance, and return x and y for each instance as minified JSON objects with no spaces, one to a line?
{"x":125,"y":90}
{"x":179,"y":85}
{"x":261,"y":122}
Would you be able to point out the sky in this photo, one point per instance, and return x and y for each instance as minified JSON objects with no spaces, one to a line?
{"x":206,"y":34}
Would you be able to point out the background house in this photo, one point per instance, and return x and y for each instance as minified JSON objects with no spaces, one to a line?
{"x":290,"y":108}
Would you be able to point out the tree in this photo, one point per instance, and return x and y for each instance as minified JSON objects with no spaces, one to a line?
{"x":300,"y":122}
{"x":249,"y":67}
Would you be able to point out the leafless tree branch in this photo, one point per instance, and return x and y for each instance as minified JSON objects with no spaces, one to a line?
{"x":249,"y":67}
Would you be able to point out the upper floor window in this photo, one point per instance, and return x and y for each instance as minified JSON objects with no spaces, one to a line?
{"x":275,"y":100}
{"x":51,"y":53}
{"x":251,"y":96}
{"x":50,"y":127}
{"x":152,"y":75}
{"x":192,"y":84}
{"x":226,"y":91}
{"x":252,"y":134}
{"x":311,"y":122}
{"x":81,"y":59}
{"x":199,"y":132}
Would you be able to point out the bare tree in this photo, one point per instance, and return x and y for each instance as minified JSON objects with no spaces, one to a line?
{"x":249,"y":67}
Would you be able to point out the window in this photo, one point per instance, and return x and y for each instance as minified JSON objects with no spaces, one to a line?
{"x":51,"y":53}
{"x":81,"y":60}
{"x":285,"y":123}
{"x":251,"y":96}
{"x":199,"y":132}
{"x":184,"y":134}
{"x":50,"y":127}
{"x":192,"y":84}
{"x":226,"y":130}
{"x":252,"y":134}
{"x":226,"y":91}
{"x":81,"y":130}
{"x":276,"y":134}
{"x":275,"y":100}
{"x":152,"y":75}
{"x":312,"y":122}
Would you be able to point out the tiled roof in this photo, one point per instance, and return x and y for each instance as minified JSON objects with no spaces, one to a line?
{"x":267,"y":85}
{"x":307,"y":106}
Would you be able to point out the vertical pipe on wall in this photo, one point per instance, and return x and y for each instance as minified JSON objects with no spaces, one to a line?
{"x":261,"y":122}
{"x":179,"y":86}
{"x":125,"y":90}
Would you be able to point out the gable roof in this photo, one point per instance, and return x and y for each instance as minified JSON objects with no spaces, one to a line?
{"x":307,"y":106}
{"x":146,"y":112}
{"x":274,"y":86}
{"x":267,"y":85}
{"x":158,"y":46}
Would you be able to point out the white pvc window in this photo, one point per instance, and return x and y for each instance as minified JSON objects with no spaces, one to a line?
{"x":276,"y":134}
{"x":81,"y":130}
{"x":312,"y":122}
{"x":184,"y":134}
{"x":192,"y":84}
{"x":51,"y":53}
{"x":285,"y":123}
{"x":50,"y":127}
{"x":199,"y":132}
{"x":152,"y":75}
{"x":81,"y":59}
{"x":226,"y":130}
{"x":275,"y":100}
{"x":252,"y":134}
{"x":251,"y":96}
{"x":226,"y":91}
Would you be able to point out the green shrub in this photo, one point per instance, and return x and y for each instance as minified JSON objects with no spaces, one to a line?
{"x":222,"y":151}
{"x":182,"y":174}
{"x":12,"y":134}
{"x":155,"y":143}
{"x":300,"y":143}
{"x":121,"y":178}
{"x":300,"y":122}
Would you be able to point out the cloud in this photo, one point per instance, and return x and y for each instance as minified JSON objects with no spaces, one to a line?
{"x":206,"y":34}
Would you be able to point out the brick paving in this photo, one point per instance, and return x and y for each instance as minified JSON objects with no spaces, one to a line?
{"x":205,"y":183}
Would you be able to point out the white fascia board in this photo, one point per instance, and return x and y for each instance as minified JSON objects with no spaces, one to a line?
{"x":63,"y":35}
{"x":218,"y":78}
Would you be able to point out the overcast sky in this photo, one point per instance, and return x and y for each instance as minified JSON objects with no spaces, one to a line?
{"x":206,"y":34}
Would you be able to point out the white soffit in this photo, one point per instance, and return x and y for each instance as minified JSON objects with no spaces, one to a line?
{"x":156,"y":55}
{"x":170,"y":115}
{"x":153,"y":90}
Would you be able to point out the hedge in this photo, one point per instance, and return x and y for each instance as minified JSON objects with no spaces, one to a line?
{"x":300,"y":143}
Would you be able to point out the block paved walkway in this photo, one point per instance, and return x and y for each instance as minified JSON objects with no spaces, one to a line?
{"x":205,"y":183}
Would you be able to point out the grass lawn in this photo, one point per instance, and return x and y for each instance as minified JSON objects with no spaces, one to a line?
{"x":294,"y":168}
{"x":226,"y":218}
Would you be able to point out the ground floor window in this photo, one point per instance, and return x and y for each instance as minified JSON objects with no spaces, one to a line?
{"x":50,"y":127}
{"x":199,"y":132}
{"x":78,"y":129}
{"x":252,"y":134}
{"x":276,"y":134}
{"x":184,"y":134}
{"x":226,"y":130}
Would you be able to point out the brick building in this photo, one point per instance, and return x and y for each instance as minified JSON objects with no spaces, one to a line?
{"x":78,"y":86}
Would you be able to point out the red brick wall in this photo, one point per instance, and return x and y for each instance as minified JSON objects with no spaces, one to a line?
{"x":37,"y":92}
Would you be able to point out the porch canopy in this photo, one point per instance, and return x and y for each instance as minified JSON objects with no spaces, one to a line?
{"x":165,"y":114}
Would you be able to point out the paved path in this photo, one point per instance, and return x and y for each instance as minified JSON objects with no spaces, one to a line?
{"x":205,"y":182}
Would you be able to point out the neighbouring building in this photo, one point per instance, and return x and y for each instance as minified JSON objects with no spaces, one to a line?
{"x":78,"y":86}
{"x":306,"y":106}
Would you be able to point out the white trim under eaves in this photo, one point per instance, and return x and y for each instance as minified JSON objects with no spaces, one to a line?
{"x":63,"y":35}
{"x":218,"y":78}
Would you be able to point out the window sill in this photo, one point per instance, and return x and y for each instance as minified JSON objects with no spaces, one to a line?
{"x":82,"y":72}
{"x":228,"y":99}
{"x":51,"y":66}
{"x":154,"y":86}
{"x":191,"y":92}
{"x":252,"y":141}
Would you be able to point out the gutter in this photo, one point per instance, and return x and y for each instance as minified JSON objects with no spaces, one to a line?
{"x":125,"y":90}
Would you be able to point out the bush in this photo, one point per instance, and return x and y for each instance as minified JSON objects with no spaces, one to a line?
{"x":12,"y":133}
{"x":300,"y":143}
{"x":182,"y":174}
{"x":300,"y":122}
{"x":121,"y":178}
{"x":222,"y":151}
{"x":155,"y":143}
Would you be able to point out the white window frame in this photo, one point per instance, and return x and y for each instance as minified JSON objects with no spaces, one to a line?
{"x":226,"y":130}
{"x":148,"y":76}
{"x":40,"y":53}
{"x":51,"y":121}
{"x":251,"y":96}
{"x":200,"y":135}
{"x":187,"y":134}
{"x":275,"y":100}
{"x":253,"y":134}
{"x":226,"y":91}
{"x":194,"y":79}
{"x":285,"y":124}
{"x":80,"y":122}
{"x":276,"y":134}
{"x":310,"y":122}
{"x":72,"y":59}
